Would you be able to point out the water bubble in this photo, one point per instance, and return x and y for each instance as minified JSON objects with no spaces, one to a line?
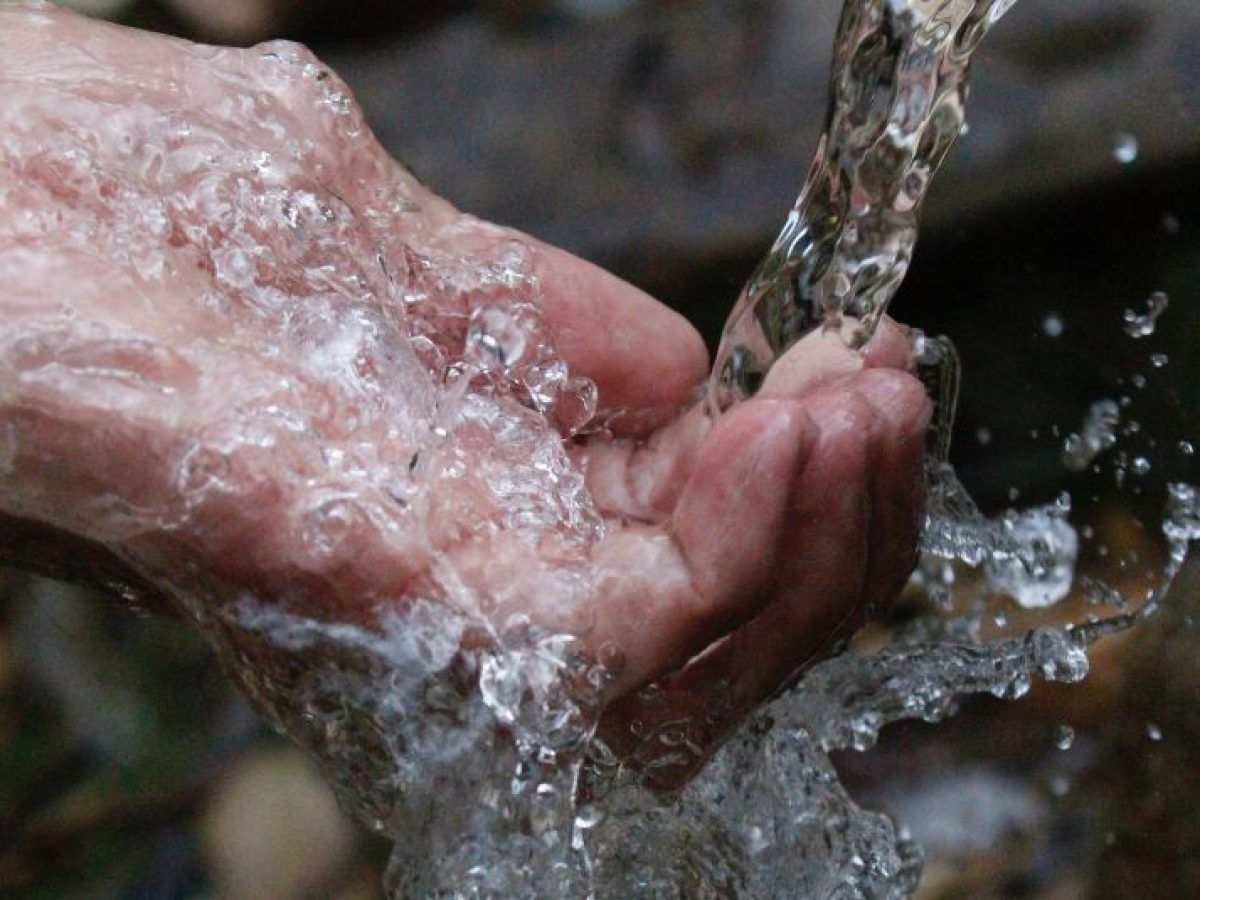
{"x":1099,"y":433}
{"x":495,"y":339}
{"x":1125,"y":148}
{"x":1139,"y":325}
{"x":1053,"y":325}
{"x":589,"y":816}
{"x":1182,"y":513}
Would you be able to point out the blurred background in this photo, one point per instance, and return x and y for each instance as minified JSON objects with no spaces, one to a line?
{"x":665,"y":141}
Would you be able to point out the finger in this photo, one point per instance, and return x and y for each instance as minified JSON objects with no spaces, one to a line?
{"x":850,"y":543}
{"x":821,"y":570}
{"x":891,"y":347}
{"x":645,"y":359}
{"x":643,"y":480}
{"x":897,"y":481}
{"x":821,"y":358}
{"x":661,"y":598}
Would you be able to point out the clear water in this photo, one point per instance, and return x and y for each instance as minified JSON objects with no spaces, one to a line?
{"x":468,"y":737}
{"x":898,"y":88}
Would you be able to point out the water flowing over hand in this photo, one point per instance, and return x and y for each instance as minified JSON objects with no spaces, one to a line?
{"x":249,"y":359}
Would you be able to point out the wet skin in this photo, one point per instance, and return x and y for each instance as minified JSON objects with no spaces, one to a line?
{"x":734,"y":551}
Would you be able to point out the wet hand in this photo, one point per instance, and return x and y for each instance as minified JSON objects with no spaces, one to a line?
{"x":243,"y":352}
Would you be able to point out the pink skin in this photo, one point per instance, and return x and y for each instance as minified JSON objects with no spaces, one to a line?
{"x":734,"y":550}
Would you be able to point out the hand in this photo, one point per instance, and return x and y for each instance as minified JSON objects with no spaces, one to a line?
{"x":245,"y":353}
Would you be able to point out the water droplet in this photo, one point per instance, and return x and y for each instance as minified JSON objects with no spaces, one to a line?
{"x":1153,"y":731}
{"x":755,"y":840}
{"x":1159,"y":360}
{"x":1064,"y":737}
{"x":1141,"y":465}
{"x":1186,"y":448}
{"x":1182,"y":513}
{"x":1053,"y":325}
{"x":1099,"y":433}
{"x":589,"y":815}
{"x":1125,"y":148}
{"x":983,"y":436}
{"x":1139,"y":325}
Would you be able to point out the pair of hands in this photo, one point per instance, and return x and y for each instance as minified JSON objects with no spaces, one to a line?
{"x":228,"y":319}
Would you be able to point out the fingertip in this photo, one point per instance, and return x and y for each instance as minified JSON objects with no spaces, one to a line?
{"x":898,"y":481}
{"x":818,"y":359}
{"x":730,"y":517}
{"x":891,"y":347}
{"x":896,"y":396}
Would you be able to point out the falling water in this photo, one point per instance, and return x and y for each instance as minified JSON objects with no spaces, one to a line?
{"x":898,"y":87}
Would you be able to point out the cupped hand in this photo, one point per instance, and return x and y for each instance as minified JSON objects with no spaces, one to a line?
{"x":244,"y":353}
